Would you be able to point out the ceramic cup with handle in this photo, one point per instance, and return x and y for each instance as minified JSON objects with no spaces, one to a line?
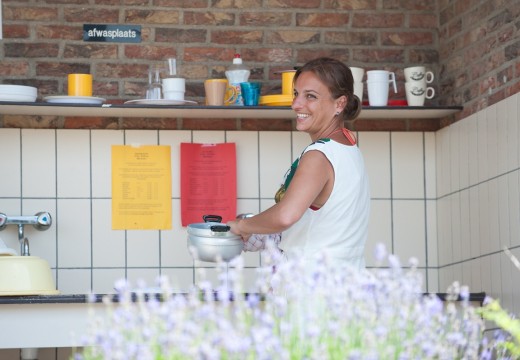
{"x":378,"y":82}
{"x":417,"y":92}
{"x":418,"y":73}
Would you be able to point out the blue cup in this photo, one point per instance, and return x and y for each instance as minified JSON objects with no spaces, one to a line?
{"x":251,"y":92}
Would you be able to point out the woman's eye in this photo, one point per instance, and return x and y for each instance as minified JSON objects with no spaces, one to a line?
{"x":311,"y":96}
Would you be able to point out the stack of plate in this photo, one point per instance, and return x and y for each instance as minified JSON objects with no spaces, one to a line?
{"x":276,"y":100}
{"x":18,"y":93}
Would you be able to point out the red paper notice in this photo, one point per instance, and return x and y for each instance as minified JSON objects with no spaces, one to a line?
{"x":208,"y":181}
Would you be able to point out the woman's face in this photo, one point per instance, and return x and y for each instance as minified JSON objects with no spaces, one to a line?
{"x":314,"y":106}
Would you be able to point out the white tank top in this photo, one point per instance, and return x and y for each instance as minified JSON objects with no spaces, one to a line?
{"x":340,"y":226}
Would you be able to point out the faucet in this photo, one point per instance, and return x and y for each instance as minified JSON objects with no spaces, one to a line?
{"x":41,"y":221}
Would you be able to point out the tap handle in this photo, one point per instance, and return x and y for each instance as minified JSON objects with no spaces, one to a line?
{"x":3,"y":221}
{"x":43,"y":220}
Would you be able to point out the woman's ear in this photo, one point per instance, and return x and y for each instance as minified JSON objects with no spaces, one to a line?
{"x":341,"y":103}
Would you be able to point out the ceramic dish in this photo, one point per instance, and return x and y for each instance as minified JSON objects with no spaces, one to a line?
{"x":159,"y":102}
{"x":74,"y":100}
{"x":276,"y":100}
{"x":18,"y":93}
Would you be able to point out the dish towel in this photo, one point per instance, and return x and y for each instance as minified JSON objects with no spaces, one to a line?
{"x":256,"y":242}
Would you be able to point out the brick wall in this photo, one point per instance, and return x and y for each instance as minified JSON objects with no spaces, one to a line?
{"x":479,"y":52}
{"x":43,"y":42}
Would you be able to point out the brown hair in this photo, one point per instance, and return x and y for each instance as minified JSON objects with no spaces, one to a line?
{"x":338,"y":79}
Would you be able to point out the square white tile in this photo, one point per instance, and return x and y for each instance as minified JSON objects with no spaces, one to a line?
{"x":432,"y":242}
{"x":108,"y":246}
{"x":443,"y":161}
{"x":209,"y":137}
{"x":503,"y":237}
{"x":275,"y":160}
{"x":38,"y":163}
{"x":473,"y":148}
{"x":74,"y":281}
{"x":142,"y":248}
{"x":433,"y":281}
{"x":174,"y":138}
{"x":493,"y":215}
{"x":247,"y":162}
{"x":105,"y":279}
{"x":492,"y":142}
{"x":141,"y":137}
{"x":10,"y":176}
{"x":455,"y":220}
{"x":430,"y":160}
{"x":463,"y":161}
{"x":379,"y":230}
{"x":465,"y":228}
{"x":174,"y":242}
{"x":181,"y":279}
{"x":74,"y":233}
{"x":101,"y":158}
{"x":474,"y":221}
{"x":482,"y":148}
{"x":73,"y":163}
{"x":138,"y":277}
{"x":409,"y":230}
{"x":454,"y":157}
{"x":375,"y":147}
{"x":514,"y":208}
{"x":503,"y":127}
{"x":407,"y":165}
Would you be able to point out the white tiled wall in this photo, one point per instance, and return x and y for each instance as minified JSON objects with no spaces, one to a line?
{"x":478,"y":201}
{"x":450,"y":199}
{"x":68,"y":173}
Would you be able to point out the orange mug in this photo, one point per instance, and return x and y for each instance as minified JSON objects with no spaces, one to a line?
{"x":80,"y":84}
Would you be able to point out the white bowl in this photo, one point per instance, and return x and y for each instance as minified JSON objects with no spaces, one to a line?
{"x":212,"y":249}
{"x":25,"y":275}
{"x":18,"y":93}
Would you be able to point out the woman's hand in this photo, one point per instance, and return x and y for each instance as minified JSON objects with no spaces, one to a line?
{"x":235,"y":229}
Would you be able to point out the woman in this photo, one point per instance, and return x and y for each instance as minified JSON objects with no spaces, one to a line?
{"x":323,"y":205}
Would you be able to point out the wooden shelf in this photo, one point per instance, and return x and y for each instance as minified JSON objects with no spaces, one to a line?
{"x":210,"y":112}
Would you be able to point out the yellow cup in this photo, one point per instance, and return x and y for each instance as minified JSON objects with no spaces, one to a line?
{"x":287,"y":82}
{"x":80,"y":84}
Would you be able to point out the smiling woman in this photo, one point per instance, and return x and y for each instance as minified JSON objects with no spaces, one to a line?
{"x":323,"y":203}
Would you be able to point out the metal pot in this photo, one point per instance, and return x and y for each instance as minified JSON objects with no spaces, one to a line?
{"x":212,"y":240}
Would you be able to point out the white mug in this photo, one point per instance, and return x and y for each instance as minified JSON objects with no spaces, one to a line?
{"x":378,"y":82}
{"x":174,"y":88}
{"x":382,"y":75}
{"x":377,"y":93}
{"x":416,"y":93}
{"x":418,"y":73}
{"x":358,"y":90}
{"x":357,"y":74}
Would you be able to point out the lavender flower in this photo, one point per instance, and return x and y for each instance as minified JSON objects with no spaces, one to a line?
{"x":301,"y":311}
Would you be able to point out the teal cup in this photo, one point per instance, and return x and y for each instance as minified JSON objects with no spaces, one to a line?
{"x":250,"y":92}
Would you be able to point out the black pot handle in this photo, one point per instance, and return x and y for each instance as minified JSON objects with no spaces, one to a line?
{"x":212,"y":218}
{"x":219,"y":228}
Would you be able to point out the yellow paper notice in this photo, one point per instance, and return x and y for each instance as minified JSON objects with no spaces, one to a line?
{"x":141,"y":188}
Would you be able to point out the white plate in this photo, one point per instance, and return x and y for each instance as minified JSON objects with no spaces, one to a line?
{"x":159,"y":102}
{"x":17,"y":97}
{"x":74,"y":100}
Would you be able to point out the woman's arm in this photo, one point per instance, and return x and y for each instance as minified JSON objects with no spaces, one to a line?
{"x":312,"y":176}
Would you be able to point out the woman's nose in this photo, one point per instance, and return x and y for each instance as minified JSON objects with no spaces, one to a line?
{"x":296,"y":103}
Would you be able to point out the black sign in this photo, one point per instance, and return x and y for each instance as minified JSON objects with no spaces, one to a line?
{"x":112,"y":33}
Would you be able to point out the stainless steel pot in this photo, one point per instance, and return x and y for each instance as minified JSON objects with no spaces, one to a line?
{"x":212,"y":240}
